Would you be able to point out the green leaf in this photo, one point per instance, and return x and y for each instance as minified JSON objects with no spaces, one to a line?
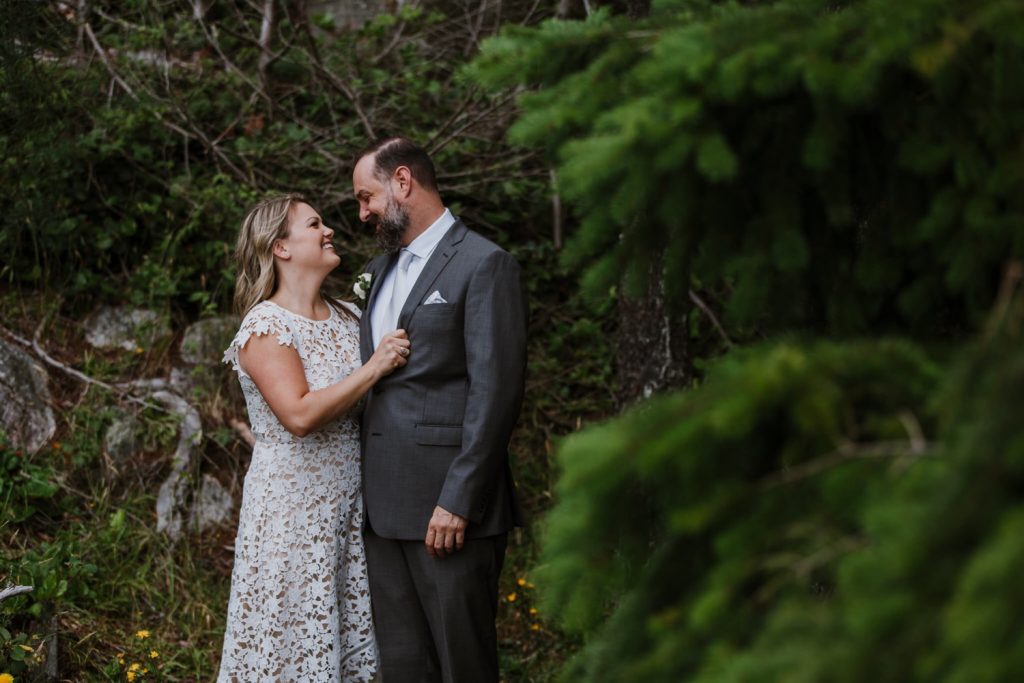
{"x":715,"y":159}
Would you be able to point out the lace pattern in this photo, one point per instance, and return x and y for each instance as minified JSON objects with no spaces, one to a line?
{"x":300,"y":601}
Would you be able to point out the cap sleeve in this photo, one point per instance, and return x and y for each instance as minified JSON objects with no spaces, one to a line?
{"x":262,"y":319}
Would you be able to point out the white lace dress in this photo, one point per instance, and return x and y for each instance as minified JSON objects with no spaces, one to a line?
{"x":300,"y":600}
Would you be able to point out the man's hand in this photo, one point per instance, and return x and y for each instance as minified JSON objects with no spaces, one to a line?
{"x":445,"y":534}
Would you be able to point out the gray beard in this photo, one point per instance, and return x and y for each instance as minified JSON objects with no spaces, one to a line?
{"x":390,"y":227}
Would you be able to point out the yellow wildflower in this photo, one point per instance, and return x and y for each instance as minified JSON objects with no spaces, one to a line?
{"x":534,"y":627}
{"x":142,"y":635}
{"x":6,"y":678}
{"x":130,"y":675}
{"x":138,"y":349}
{"x":511,"y":597}
{"x":153,"y":654}
{"x":533,"y":610}
{"x":521,"y":582}
{"x":135,"y":666}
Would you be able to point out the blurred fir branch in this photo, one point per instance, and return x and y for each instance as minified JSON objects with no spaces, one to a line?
{"x":842,"y":501}
{"x":837,"y":167}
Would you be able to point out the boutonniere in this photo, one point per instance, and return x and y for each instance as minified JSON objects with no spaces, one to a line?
{"x":362,"y":285}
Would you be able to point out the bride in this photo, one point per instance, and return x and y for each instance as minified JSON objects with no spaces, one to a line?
{"x":300,"y":601}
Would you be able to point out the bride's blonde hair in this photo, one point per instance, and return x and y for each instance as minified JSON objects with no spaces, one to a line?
{"x":256,"y":280}
{"x":266,"y":223}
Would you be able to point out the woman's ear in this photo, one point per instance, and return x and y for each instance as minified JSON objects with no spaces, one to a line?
{"x":281,"y":251}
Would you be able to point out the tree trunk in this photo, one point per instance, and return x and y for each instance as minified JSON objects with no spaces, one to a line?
{"x":653,"y":348}
{"x":653,"y":345}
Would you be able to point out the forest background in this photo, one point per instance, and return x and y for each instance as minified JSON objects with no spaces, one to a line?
{"x":772,"y":427}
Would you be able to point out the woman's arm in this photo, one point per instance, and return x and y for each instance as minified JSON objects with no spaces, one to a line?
{"x":277,"y":371}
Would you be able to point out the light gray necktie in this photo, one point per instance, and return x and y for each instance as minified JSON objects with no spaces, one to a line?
{"x":400,"y":292}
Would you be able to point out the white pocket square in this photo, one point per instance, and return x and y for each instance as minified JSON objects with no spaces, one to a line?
{"x":435,"y":298}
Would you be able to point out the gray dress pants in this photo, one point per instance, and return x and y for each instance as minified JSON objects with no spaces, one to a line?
{"x":435,"y":617}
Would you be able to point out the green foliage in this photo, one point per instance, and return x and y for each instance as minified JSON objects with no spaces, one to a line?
{"x":833,"y":505}
{"x":837,"y":167}
{"x":680,"y":526}
{"x":135,"y":197}
{"x":26,"y":486}
{"x":126,"y":176}
{"x":788,"y":521}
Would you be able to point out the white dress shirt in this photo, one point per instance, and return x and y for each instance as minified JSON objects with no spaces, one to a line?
{"x":405,"y":272}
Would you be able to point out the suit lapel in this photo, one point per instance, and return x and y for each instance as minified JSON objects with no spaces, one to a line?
{"x":443,"y":253}
{"x":379,"y":268}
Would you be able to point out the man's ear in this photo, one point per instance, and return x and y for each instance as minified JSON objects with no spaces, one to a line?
{"x":403,"y":179}
{"x":281,"y":251}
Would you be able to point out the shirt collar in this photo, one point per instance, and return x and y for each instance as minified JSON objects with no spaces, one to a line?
{"x":423,"y":246}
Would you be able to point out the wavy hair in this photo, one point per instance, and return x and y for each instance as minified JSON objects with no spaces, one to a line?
{"x":266,"y":223}
{"x":256,"y":281}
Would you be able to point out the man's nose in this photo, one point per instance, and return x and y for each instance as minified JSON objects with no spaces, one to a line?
{"x":364,"y":214}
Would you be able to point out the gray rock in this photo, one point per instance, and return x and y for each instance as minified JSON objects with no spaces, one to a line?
{"x":172,"y":498}
{"x":181,"y":381}
{"x":25,"y":413}
{"x":211,"y":506}
{"x":124,"y":327}
{"x":121,"y":440}
{"x":204,"y":341}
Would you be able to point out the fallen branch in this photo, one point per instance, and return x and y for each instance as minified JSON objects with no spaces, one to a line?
{"x":12,"y":591}
{"x":77,"y":374}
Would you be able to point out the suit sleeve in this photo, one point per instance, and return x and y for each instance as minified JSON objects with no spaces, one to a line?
{"x":495,"y":339}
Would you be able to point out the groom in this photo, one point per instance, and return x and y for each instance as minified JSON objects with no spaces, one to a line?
{"x":439,"y":494}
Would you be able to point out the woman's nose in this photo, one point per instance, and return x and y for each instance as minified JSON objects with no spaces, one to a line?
{"x":328,"y":231}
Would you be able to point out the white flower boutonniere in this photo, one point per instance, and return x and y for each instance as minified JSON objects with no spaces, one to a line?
{"x":362,"y":285}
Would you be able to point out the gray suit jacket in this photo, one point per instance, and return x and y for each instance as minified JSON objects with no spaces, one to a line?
{"x":436,"y":431}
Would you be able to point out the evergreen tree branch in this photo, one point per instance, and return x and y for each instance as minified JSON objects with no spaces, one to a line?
{"x":896,"y":449}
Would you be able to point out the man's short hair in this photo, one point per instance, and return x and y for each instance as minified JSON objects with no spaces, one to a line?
{"x":390,"y":153}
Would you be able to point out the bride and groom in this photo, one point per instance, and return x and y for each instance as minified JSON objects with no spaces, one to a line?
{"x":376,"y":507}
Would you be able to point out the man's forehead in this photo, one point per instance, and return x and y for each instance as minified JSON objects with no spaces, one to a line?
{"x":364,"y":167}
{"x":363,"y":177}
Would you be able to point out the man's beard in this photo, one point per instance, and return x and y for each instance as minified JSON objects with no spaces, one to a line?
{"x":390,"y":227}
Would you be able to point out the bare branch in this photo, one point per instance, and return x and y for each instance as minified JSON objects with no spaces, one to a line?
{"x":437,"y":146}
{"x":710,"y":314}
{"x":81,"y":376}
{"x":266,"y":35}
{"x":12,"y":591}
{"x":556,"y":212}
{"x":106,"y":61}
{"x":336,"y":82}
